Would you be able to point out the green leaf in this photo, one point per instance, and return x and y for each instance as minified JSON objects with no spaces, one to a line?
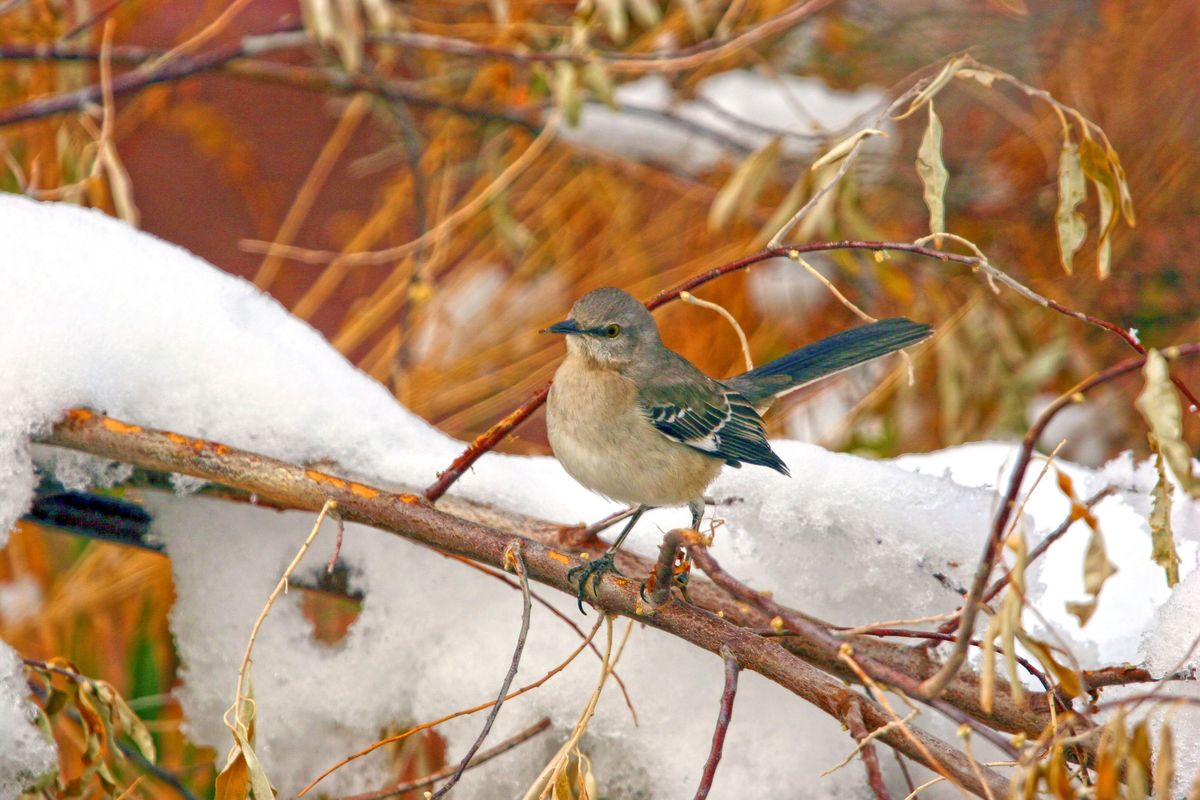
{"x":1072,"y":189}
{"x":1159,"y":404}
{"x":933,"y":173}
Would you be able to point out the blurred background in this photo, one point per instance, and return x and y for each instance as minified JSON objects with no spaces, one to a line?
{"x":418,"y":132}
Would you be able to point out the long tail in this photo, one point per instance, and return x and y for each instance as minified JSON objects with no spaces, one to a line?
{"x":828,"y":356}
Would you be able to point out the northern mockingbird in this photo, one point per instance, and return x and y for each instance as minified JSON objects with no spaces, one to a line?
{"x":636,"y":422}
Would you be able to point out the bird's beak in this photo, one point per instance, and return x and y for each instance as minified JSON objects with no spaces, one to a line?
{"x":568,"y":326}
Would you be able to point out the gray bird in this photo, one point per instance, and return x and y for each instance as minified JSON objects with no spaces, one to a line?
{"x":636,"y":422}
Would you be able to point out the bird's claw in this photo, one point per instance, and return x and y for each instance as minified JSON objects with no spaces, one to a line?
{"x":593,"y":570}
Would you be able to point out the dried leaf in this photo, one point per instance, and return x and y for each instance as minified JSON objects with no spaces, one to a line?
{"x":1161,"y":535}
{"x":1058,"y":777}
{"x":1068,"y":679}
{"x":598,"y":81}
{"x":616,"y":21}
{"x":566,"y":91}
{"x":987,"y":666}
{"x":1137,"y":763}
{"x":1164,"y":764}
{"x":935,"y":86}
{"x":133,"y":726}
{"x":1159,"y":404}
{"x":843,"y":148}
{"x":1072,"y":189}
{"x":695,"y":16}
{"x":933,"y":173}
{"x":982,"y":76}
{"x":1096,"y":570}
{"x":646,"y":12}
{"x":233,"y":783}
{"x":1096,"y":165}
{"x":743,"y":186}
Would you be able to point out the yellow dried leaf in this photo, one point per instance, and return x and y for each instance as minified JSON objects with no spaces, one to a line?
{"x":1058,"y":777}
{"x":932,"y":171}
{"x":742,"y":188}
{"x":234,"y":781}
{"x":1068,"y":679}
{"x":1161,"y":535}
{"x":566,"y":91}
{"x":1096,"y":566}
{"x":1137,"y":763}
{"x":982,"y":76}
{"x":1159,"y":404}
{"x":597,"y":80}
{"x":1164,"y":764}
{"x":936,"y":85}
{"x":1072,"y":189}
{"x":845,"y":146}
{"x":1096,"y":165}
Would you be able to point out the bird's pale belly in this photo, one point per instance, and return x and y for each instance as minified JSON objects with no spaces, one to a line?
{"x":604,"y":442}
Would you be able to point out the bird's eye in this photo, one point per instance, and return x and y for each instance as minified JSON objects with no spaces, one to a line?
{"x":612,"y":331}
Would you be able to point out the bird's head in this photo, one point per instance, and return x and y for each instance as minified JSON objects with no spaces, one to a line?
{"x":610,"y":327}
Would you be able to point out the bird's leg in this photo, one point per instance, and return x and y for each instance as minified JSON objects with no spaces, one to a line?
{"x":596,"y":568}
{"x":697,"y":509}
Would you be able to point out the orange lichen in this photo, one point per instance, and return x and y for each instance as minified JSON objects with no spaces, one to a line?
{"x":116,"y":426}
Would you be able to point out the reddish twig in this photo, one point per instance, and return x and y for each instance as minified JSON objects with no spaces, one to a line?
{"x":504,"y":427}
{"x":854,"y":722}
{"x":732,"y":668}
{"x":484,"y":443}
{"x":932,"y":686}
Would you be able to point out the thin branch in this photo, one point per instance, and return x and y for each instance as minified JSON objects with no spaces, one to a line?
{"x":415,"y":519}
{"x":135,"y":80}
{"x":732,"y":668}
{"x":514,"y":552}
{"x":858,"y":730}
{"x":429,"y":780}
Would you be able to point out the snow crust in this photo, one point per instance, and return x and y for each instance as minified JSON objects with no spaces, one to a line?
{"x":148,"y":333}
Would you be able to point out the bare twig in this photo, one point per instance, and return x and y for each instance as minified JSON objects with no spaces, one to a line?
{"x":487,"y":755}
{"x":858,"y":730}
{"x":177,"y":68}
{"x":732,"y":668}
{"x":519,"y":564}
{"x":280,"y":587}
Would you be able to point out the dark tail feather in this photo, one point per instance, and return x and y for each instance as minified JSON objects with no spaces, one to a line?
{"x":833,"y":354}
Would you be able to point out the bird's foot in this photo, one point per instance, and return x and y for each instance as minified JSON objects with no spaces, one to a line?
{"x":594,"y":571}
{"x":681,"y":570}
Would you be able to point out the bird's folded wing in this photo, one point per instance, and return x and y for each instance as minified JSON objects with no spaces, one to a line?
{"x":710,"y":418}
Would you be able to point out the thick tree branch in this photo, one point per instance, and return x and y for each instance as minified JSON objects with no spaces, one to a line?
{"x":415,"y":519}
